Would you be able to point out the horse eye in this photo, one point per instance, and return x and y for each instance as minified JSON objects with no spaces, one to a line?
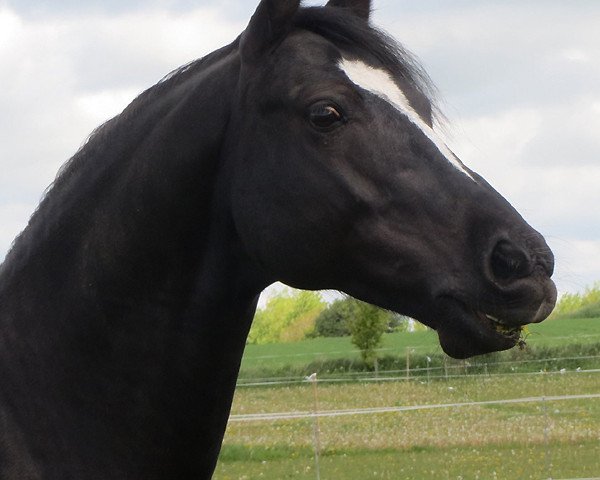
{"x":325,"y":116}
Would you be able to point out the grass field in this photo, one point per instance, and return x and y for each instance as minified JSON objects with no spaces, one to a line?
{"x":280,"y":359}
{"x":558,"y":439}
{"x":507,"y":461}
{"x":538,"y":440}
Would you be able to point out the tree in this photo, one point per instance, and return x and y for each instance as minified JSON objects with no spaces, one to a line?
{"x":367,"y":328}
{"x":287,"y":317}
{"x":334,"y":320}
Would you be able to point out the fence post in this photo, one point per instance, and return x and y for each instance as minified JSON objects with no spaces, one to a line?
{"x":446,"y":367}
{"x":547,"y":455}
{"x":428,"y":367}
{"x":407,"y":363}
{"x":317,"y":441}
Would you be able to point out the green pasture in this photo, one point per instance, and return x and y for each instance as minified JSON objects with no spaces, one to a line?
{"x":552,"y":439}
{"x":502,"y":462}
{"x":538,"y":440}
{"x":288,"y":359}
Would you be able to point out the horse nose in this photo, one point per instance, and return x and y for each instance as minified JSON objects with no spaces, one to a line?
{"x":518,"y":270}
{"x":509,"y":261}
{"x":546,"y":259}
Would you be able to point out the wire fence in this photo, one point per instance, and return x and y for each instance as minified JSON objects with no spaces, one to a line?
{"x":269,"y":417}
{"x":430,"y":373}
{"x":545,"y":404}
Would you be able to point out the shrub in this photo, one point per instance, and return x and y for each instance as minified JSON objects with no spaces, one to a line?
{"x":580,"y":305}
{"x":367,"y":328}
{"x":333,"y":321}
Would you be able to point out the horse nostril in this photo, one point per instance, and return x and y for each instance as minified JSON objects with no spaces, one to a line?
{"x":546,"y":260}
{"x":509,"y":261}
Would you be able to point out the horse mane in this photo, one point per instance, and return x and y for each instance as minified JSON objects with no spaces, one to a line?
{"x":352,"y":33}
{"x":89,"y":156}
{"x":169,"y":81}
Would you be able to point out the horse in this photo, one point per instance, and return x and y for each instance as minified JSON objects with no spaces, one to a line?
{"x":304,"y":152}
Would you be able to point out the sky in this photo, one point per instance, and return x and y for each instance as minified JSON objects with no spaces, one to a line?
{"x":519,"y":83}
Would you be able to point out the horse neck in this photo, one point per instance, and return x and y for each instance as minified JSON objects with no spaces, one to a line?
{"x":131,"y":217}
{"x":124,"y":306}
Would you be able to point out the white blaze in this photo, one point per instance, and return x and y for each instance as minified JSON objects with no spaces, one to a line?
{"x":380,"y":83}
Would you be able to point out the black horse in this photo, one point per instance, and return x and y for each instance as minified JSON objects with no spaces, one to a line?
{"x":302,"y":152}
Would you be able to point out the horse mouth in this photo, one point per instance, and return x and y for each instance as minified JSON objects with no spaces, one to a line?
{"x":501,"y":327}
{"x":465,"y":332}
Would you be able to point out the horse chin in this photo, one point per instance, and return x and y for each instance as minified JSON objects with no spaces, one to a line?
{"x":464,"y":332}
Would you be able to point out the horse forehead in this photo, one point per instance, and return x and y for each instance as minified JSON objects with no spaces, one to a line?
{"x":380,"y":83}
{"x":306,"y":51}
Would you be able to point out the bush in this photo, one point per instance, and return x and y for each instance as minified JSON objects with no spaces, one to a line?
{"x":333,"y":321}
{"x":288,"y":317}
{"x":579,"y":305}
{"x":367,"y":328}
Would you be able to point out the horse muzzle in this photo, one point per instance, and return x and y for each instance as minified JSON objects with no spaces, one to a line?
{"x":516,"y":290}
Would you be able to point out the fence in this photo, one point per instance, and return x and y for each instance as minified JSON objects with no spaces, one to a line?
{"x":257,"y":417}
{"x":447,"y":371}
{"x":547,"y":404}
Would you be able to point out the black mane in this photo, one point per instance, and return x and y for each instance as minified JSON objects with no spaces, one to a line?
{"x":356,"y":35}
{"x":343,"y":29}
{"x":94,"y":156}
{"x":168,"y":82}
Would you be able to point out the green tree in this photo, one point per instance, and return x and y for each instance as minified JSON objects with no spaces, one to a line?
{"x":334,"y":320}
{"x":367,"y":328}
{"x":586,"y":304}
{"x":287,"y":317}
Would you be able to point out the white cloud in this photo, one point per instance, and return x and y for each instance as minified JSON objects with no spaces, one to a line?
{"x":575,"y":55}
{"x":541,"y":159}
{"x":14,"y":219}
{"x":580,"y":263}
{"x":494,"y":55}
{"x":498,"y":139}
{"x":103,"y":105}
{"x":10,"y":24}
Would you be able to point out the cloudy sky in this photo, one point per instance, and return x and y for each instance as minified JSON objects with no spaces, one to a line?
{"x":519,"y":81}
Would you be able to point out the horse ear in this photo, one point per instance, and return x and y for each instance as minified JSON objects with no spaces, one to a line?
{"x":362,"y":8}
{"x":271,"y":21}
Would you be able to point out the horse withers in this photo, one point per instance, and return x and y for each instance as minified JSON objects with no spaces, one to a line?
{"x":303,"y":152}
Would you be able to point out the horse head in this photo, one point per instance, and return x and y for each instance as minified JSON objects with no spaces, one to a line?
{"x":340,"y":181}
